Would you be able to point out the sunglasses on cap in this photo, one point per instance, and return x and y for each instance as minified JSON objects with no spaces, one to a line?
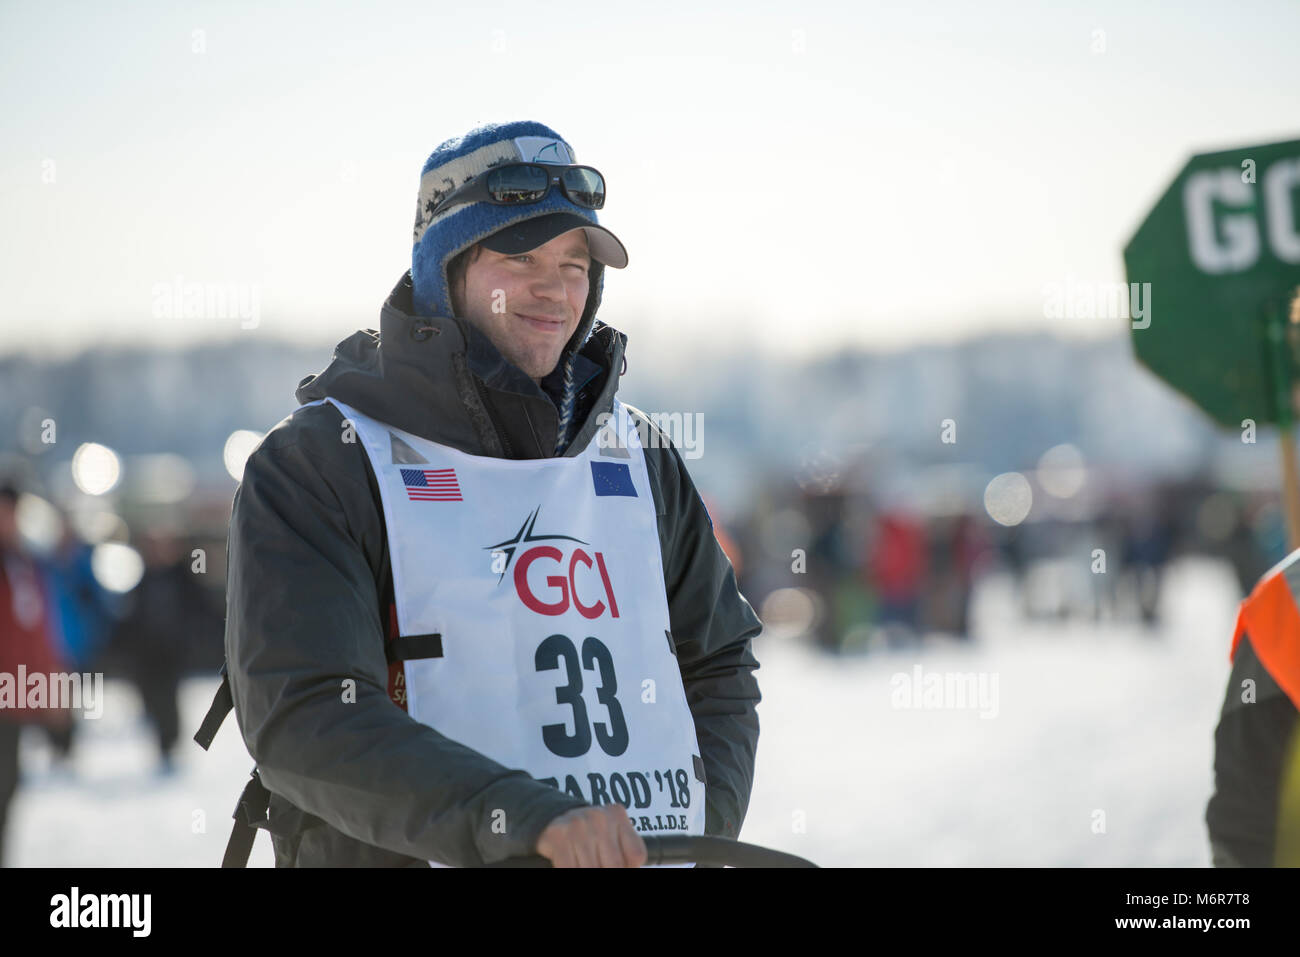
{"x":520,"y":184}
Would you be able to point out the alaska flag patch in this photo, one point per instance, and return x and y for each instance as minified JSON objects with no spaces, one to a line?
{"x":612,"y":478}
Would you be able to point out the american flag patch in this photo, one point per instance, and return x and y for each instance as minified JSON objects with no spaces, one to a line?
{"x":431,"y":485}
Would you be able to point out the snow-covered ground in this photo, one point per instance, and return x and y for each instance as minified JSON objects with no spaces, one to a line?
{"x":1097,"y":751}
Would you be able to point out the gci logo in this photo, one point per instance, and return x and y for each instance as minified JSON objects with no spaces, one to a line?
{"x":550,"y":579}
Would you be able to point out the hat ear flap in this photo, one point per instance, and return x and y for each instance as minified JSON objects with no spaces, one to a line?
{"x":596,"y":288}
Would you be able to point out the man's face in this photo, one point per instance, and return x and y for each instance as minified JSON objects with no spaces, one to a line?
{"x":529,"y":304}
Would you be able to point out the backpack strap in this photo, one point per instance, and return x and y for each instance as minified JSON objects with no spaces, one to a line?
{"x":252,"y":811}
{"x":414,"y":647}
{"x":250,"y":814}
{"x":222,"y":704}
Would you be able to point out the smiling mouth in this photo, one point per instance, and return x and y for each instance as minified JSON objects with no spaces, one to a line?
{"x":547,"y":325}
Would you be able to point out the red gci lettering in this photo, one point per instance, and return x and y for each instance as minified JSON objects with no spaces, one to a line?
{"x":565,"y":586}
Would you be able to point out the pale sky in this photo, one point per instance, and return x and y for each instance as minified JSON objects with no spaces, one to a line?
{"x":785,"y":176}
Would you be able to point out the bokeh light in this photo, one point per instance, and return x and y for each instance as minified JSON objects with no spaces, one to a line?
{"x":1008,"y":498}
{"x":1061,"y":471}
{"x":96,"y":468}
{"x":239,"y":446}
{"x":116,"y":566}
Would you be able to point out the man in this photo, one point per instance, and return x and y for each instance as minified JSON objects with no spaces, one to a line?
{"x":1253,"y":816}
{"x":476,"y":609}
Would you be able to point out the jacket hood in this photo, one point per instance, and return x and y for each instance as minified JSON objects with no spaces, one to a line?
{"x":441,"y":378}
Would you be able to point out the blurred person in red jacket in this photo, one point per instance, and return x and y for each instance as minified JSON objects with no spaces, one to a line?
{"x":26,"y":648}
{"x":898,"y":566}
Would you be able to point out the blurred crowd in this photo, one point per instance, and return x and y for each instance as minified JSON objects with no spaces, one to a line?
{"x":849,"y":573}
{"x":66,"y":608}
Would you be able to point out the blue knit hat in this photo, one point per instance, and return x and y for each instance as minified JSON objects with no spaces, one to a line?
{"x":439,"y":239}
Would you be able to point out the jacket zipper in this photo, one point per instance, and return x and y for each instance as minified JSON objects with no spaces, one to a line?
{"x":506,"y":447}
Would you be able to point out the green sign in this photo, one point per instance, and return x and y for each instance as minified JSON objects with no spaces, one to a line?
{"x":1221,"y":252}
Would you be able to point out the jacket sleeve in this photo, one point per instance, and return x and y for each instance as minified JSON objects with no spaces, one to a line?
{"x":1254,"y":746}
{"x":303,"y":622}
{"x":712,"y":627}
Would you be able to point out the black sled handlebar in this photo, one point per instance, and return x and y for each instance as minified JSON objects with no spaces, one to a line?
{"x":681,"y":849}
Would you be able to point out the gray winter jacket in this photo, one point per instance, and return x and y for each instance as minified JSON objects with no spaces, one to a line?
{"x":309,"y":604}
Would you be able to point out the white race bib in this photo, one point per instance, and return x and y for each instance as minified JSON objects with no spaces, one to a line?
{"x":541,"y":581}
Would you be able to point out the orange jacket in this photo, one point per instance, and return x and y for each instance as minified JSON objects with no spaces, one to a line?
{"x":1254,"y":814}
{"x":1272,"y":618}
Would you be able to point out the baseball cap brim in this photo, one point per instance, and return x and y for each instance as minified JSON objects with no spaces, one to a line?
{"x":531,"y":233}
